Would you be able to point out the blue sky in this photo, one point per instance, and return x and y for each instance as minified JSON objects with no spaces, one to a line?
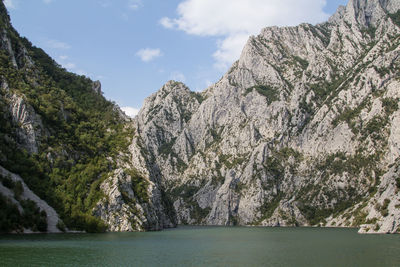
{"x":134,"y":46}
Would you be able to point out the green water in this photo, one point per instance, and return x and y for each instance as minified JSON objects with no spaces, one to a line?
{"x":204,"y":246}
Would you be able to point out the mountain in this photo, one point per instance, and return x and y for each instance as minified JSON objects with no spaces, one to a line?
{"x":62,"y":145}
{"x":303,"y":130}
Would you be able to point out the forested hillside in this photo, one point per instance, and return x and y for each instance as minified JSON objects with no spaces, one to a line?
{"x":57,"y":132}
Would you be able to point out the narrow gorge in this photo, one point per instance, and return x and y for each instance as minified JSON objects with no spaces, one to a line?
{"x":303,"y":130}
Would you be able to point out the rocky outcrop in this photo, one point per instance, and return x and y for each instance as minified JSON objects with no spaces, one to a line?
{"x":380,"y":213}
{"x":97,"y":87}
{"x":52,"y":217}
{"x":119,"y":209}
{"x":123,"y":210}
{"x":133,"y":199}
{"x":300,"y":131}
{"x":6,"y":45}
{"x":29,"y":125}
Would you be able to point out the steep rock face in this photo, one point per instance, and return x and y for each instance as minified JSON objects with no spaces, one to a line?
{"x":30,"y":125}
{"x":119,"y":209}
{"x":161,"y":131}
{"x":300,"y":131}
{"x":132,"y":201}
{"x":164,"y":116}
{"x":381,"y":213}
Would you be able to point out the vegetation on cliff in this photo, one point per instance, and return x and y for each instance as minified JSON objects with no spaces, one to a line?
{"x":82,"y":131}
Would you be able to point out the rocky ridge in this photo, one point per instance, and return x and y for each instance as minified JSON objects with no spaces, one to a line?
{"x":302,"y":130}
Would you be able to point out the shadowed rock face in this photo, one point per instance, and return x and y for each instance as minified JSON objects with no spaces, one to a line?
{"x":300,"y":131}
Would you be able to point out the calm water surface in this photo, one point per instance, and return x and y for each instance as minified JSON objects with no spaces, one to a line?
{"x":204,"y":246}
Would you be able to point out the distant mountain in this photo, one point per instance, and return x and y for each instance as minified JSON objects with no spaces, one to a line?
{"x":303,"y":130}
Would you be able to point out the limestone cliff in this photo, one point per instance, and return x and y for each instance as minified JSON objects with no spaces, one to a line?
{"x":302,"y":130}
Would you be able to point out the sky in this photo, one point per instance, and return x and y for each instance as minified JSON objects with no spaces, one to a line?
{"x":135,"y":46}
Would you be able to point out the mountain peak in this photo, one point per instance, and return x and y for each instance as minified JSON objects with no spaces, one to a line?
{"x":370,"y":12}
{"x":172,"y":85}
{"x":365,"y":12}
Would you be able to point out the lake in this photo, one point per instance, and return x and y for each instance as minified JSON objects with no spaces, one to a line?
{"x":204,"y":246}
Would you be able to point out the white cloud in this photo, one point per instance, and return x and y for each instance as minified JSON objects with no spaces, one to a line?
{"x":63,"y":60}
{"x":233,"y":21}
{"x":57,"y":44}
{"x":10,"y":4}
{"x":229,"y":50}
{"x":82,"y":72}
{"x":135,"y":4}
{"x":177,"y":76}
{"x":167,"y":23}
{"x":47,"y":1}
{"x":130,"y":111}
{"x":148,"y":54}
{"x":69,"y":65}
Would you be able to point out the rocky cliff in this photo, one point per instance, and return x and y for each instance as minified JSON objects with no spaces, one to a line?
{"x":302,"y":130}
